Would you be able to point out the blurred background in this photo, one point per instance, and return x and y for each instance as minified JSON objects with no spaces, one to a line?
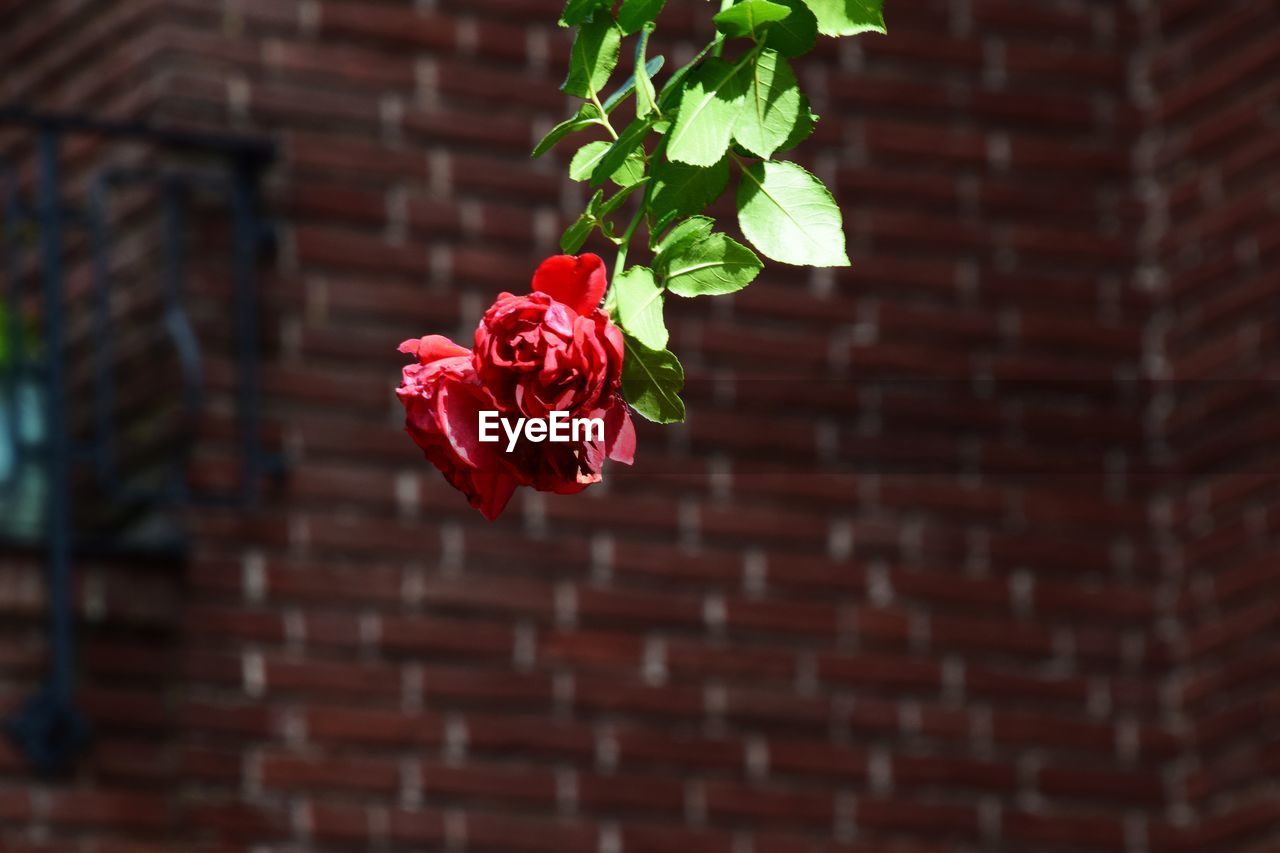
{"x":970,"y":547}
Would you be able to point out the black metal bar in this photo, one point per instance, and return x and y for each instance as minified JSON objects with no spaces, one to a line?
{"x":175,"y":189}
{"x":12,"y":328}
{"x":58,"y":443}
{"x":178,"y":324}
{"x":252,"y":148}
{"x":104,"y":398}
{"x":248,"y":238}
{"x":48,"y":727}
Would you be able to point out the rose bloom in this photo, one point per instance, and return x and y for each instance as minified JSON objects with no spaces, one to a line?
{"x":551,"y":350}
{"x":442,"y":403}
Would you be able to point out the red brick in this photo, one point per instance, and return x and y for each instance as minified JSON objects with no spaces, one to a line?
{"x":883,"y":670}
{"x":442,"y":783}
{"x":313,"y":772}
{"x":506,"y":832}
{"x":939,"y":819}
{"x":350,"y":725}
{"x":727,"y":800}
{"x":691,"y":660}
{"x":469,"y":687}
{"x":943,"y":771}
{"x":110,"y":811}
{"x":650,"y":748}
{"x":446,"y":637}
{"x":614,"y":694}
{"x":15,"y":806}
{"x":650,"y":795}
{"x":817,"y":759}
{"x":781,"y":617}
{"x":1064,"y":733}
{"x":386,"y":25}
{"x":334,"y":821}
{"x":416,"y":827}
{"x":230,"y":821}
{"x":1110,"y":785}
{"x":311,"y":154}
{"x":1094,"y":832}
{"x":502,"y":734}
{"x":673,"y":839}
{"x":336,"y":65}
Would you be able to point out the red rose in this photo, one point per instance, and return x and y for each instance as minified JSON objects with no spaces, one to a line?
{"x":553,"y":350}
{"x":556,"y":351}
{"x":443,"y":399}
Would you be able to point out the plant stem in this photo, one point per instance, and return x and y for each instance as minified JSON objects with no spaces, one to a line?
{"x":604,"y":118}
{"x":621,"y":263}
{"x":719,"y":42}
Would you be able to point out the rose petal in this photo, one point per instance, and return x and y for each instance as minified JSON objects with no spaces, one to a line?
{"x":619,"y":433}
{"x":559,"y":321}
{"x":433,"y":348}
{"x":458,"y":408}
{"x":490,"y":492}
{"x":578,"y":282}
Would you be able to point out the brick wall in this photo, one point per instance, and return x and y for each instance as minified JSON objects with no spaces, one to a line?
{"x":1210,"y":155}
{"x":964,"y":548}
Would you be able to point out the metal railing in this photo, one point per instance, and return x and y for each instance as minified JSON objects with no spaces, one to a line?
{"x":49,"y":728}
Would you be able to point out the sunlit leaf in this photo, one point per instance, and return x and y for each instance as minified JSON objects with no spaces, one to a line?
{"x":639,"y":307}
{"x":772,"y":106}
{"x":848,"y":17}
{"x":790,"y":216}
{"x":651,"y":382}
{"x":593,"y":58}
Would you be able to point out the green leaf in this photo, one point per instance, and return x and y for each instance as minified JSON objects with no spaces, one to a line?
{"x":848,"y":17}
{"x":639,"y":307}
{"x":804,"y":127}
{"x":618,"y":198}
{"x":582,"y":11}
{"x":682,"y":190}
{"x":772,"y":107}
{"x":652,"y":67}
{"x":586,"y":116}
{"x":628,"y":142}
{"x":692,"y":229}
{"x":796,"y":34}
{"x":646,"y":96}
{"x":631,"y":172}
{"x":593,"y":58}
{"x":674,"y":88}
{"x":651,"y":382}
{"x":584,"y":162}
{"x":634,"y":14}
{"x":590,"y":155}
{"x":746,"y":19}
{"x":660,"y":224}
{"x":711,"y":266}
{"x":790,"y":216}
{"x":577,"y":233}
{"x":712,"y":98}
